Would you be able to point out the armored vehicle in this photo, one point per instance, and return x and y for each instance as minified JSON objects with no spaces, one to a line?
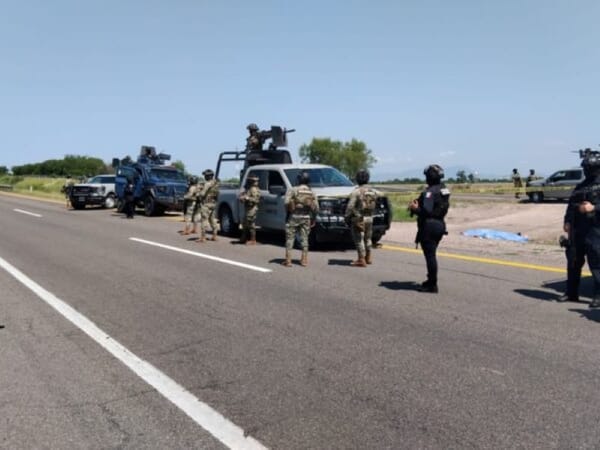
{"x":277,"y":173}
{"x":158,"y":187}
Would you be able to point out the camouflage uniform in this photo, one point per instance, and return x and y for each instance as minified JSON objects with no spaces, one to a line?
{"x":517,"y":182}
{"x":190,"y":199}
{"x":302,"y":206}
{"x":250,"y":198}
{"x":253,"y":141}
{"x":208,"y":202}
{"x":359,"y":216}
{"x":66,"y":189}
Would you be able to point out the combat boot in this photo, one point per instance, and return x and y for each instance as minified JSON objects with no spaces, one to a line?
{"x":567,"y":298}
{"x":252,"y":240}
{"x":360,"y":262}
{"x":184,"y":231}
{"x":243,"y":238}
{"x":595,"y":302}
{"x":288,"y":260}
{"x":304,"y":259}
{"x":201,"y":239}
{"x":427,"y":286}
{"x":194,"y":230}
{"x":214,"y":237}
{"x":369,"y":257}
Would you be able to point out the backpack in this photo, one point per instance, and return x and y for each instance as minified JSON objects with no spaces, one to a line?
{"x":304,"y":200}
{"x":367,"y":200}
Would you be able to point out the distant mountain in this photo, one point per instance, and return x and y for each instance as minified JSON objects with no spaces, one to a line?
{"x":386,"y":175}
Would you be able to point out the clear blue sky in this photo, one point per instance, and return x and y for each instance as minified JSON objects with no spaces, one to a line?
{"x":490,"y":85}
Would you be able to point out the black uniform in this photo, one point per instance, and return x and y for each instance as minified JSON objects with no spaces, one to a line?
{"x":129,"y":207}
{"x":584,"y":238}
{"x":433,"y":207}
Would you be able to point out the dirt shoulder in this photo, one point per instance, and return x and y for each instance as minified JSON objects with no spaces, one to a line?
{"x":541,"y":223}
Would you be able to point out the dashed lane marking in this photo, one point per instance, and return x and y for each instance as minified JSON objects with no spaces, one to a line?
{"x":477,"y":259}
{"x":22,"y":211}
{"x":203,"y":255}
{"x":211,"y":420}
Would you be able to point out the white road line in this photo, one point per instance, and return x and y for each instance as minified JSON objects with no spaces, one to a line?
{"x":212,"y":421}
{"x":203,"y":255}
{"x":22,"y":211}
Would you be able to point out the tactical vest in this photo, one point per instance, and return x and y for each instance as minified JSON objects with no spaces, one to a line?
{"x":367,"y":201}
{"x":212,"y":193}
{"x":303,"y":200}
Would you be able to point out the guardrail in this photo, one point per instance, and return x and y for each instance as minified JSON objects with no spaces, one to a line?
{"x":6,"y":187}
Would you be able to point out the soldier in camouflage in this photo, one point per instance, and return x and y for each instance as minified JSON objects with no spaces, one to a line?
{"x":253,"y":142}
{"x":208,"y":202}
{"x":250,"y":199}
{"x":302,"y":207}
{"x":359,"y":217}
{"x":190,"y":212}
{"x":66,"y":189}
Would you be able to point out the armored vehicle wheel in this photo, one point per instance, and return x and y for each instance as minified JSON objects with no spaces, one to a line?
{"x":109,"y":201}
{"x":228,"y":226}
{"x":536,"y":197}
{"x":149,"y":206}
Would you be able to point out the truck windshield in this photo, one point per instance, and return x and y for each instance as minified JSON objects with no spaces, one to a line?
{"x":167,"y":175}
{"x":319,"y":177}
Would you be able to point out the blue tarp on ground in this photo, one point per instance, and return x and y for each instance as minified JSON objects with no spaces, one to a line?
{"x":487,"y":233}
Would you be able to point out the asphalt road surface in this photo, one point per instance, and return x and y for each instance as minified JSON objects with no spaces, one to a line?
{"x":123,"y":334}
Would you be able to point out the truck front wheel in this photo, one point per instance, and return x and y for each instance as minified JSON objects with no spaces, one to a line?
{"x":149,"y":206}
{"x":228,"y":226}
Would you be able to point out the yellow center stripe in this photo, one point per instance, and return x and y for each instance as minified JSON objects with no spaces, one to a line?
{"x":485,"y":260}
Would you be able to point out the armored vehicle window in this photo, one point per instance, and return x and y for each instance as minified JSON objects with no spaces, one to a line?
{"x":263,"y":178}
{"x":168,"y":175}
{"x":320,"y":177}
{"x":275,"y":179}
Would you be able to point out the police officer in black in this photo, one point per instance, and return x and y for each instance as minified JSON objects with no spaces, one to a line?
{"x":128,"y":193}
{"x":430,"y":208}
{"x":582,"y":224}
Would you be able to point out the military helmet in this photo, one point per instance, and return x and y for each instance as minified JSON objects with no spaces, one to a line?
{"x":433,"y":173}
{"x":194,"y":180}
{"x":590,"y":162}
{"x":303,"y":178}
{"x":208,"y":174}
{"x":362,"y":176}
{"x":252,"y":127}
{"x":252,"y":179}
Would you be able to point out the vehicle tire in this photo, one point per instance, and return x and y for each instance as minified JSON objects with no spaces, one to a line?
{"x":227,"y":224}
{"x":536,"y":197}
{"x":376,"y":237}
{"x":109,"y":201}
{"x":149,"y":206}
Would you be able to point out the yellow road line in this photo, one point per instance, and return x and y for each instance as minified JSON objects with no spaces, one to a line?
{"x":499,"y":262}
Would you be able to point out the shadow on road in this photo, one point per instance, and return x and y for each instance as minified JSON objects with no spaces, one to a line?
{"x":400,"y":285}
{"x":538,"y":294}
{"x":590,"y":314}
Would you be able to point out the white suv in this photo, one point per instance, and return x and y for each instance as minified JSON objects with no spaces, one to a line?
{"x":98,"y":190}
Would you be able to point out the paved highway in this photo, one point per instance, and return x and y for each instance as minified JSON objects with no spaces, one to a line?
{"x":123,"y":334}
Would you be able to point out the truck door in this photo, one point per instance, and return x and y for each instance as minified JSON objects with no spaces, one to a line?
{"x":273,"y":201}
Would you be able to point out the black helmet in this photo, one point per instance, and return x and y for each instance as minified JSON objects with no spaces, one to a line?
{"x":208,"y":174}
{"x":252,"y":127}
{"x":590,"y":162}
{"x":252,"y":179}
{"x":433,"y":173}
{"x":362,"y":176}
{"x":194,"y":180}
{"x":303,"y":178}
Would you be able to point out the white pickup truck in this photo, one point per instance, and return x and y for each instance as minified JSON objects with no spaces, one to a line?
{"x":330,"y":185}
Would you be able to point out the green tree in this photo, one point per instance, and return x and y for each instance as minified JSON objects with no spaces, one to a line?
{"x":471,"y":178}
{"x":461,"y":176}
{"x":347,"y":157}
{"x":3,"y":170}
{"x":179,"y":165}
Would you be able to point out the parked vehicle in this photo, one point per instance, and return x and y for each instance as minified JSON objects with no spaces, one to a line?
{"x":276,"y":174}
{"x":158,"y":187}
{"x":557,"y":186}
{"x":98,"y":190}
